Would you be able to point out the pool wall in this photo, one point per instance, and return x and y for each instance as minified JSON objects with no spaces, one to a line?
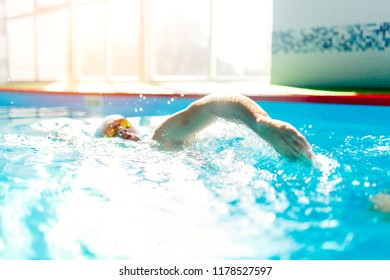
{"x":19,"y":103}
{"x":356,"y":109}
{"x":44,"y":104}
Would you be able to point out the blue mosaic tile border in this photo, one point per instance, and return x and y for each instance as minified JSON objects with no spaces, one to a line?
{"x":349,"y":38}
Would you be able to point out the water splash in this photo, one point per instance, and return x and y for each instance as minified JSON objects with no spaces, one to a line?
{"x":228,"y":195}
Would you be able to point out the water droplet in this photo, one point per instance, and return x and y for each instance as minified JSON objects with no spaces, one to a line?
{"x":347,"y":168}
{"x":303,"y":200}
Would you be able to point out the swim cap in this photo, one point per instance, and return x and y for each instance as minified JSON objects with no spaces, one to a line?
{"x":110,"y":132}
{"x":110,"y":126}
{"x":125,"y":123}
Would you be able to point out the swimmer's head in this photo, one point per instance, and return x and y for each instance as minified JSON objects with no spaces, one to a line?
{"x":118,"y":126}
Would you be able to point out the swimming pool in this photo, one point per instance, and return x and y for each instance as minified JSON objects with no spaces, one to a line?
{"x":67,"y":195}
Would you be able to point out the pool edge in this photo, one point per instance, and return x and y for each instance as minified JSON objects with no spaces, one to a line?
{"x":327,"y":97}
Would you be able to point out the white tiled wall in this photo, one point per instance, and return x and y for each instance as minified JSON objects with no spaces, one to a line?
{"x":332,"y":43}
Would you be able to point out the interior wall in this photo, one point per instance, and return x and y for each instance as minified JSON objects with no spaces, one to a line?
{"x":334,"y":43}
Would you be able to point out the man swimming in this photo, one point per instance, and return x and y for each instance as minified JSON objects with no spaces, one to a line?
{"x":181,"y":127}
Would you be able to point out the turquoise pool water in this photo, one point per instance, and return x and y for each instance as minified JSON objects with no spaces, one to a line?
{"x":67,"y":195}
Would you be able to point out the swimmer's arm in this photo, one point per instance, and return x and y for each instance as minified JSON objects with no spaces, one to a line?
{"x":183,"y":125}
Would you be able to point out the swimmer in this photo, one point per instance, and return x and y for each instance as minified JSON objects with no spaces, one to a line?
{"x":118,"y":126}
{"x":181,"y":127}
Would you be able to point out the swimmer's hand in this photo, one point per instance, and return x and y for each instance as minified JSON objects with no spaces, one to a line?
{"x":285,"y":139}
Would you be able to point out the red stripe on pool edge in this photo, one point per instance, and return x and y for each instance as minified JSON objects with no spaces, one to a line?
{"x":357,"y":99}
{"x":353,"y":99}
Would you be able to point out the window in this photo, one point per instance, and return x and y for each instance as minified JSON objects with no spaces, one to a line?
{"x":21,"y":50}
{"x":180,"y":42}
{"x":90,"y":40}
{"x":16,"y":8}
{"x":46,"y":3}
{"x":241,"y":51}
{"x":145,"y":40}
{"x":123,"y":50}
{"x":52,"y":45}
